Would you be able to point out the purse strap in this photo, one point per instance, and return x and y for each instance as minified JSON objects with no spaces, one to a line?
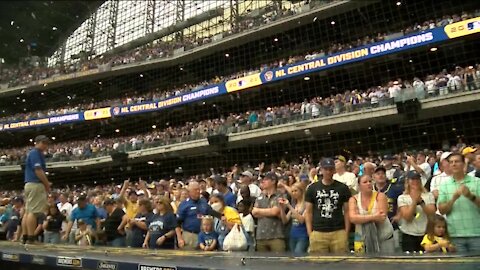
{"x":372,"y":201}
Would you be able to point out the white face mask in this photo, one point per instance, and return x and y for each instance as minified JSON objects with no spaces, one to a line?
{"x":216,"y":206}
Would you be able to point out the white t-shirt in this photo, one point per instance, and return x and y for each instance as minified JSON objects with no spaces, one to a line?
{"x":394,"y":91}
{"x":418,"y":225}
{"x":426,"y":169}
{"x":255,"y":192}
{"x":438,"y":180}
{"x":347,"y":178}
{"x":248,"y":222}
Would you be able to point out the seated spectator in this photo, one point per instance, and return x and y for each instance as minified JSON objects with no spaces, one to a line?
{"x":207,"y":238}
{"x":161,"y":226}
{"x":415,"y":206}
{"x":83,"y":235}
{"x":437,"y":238}
{"x":368,"y":211}
{"x":53,"y":225}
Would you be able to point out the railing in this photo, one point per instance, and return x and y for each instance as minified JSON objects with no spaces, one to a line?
{"x":265,"y":122}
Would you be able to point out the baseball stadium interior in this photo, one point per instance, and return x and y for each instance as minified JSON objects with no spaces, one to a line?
{"x":146,"y":97}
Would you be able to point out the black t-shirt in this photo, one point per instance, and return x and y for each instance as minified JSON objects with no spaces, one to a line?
{"x":55,"y":222}
{"x":328,"y":205}
{"x":111,"y":224}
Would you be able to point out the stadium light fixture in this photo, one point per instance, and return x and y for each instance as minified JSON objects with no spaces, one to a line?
{"x":23,"y":91}
{"x":141,"y":75}
{"x":150,"y":163}
{"x":31,"y":140}
{"x":454,"y":129}
{"x":399,"y":3}
{"x":315,"y":19}
{"x":154,"y":126}
{"x":53,"y":138}
{"x":332,"y":22}
{"x":42,"y":94}
{"x":434,"y":49}
{"x":54,"y":28}
{"x":227,"y":55}
{"x":12,"y":23}
{"x":21,"y":40}
{"x":276,"y":39}
{"x":100,"y":83}
{"x":306,"y":78}
{"x":117,"y":130}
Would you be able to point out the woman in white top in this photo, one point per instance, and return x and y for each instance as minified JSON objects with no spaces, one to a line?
{"x":368,"y":211}
{"x":415,"y":206}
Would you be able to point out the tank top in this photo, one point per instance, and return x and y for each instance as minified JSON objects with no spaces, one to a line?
{"x":385,"y":230}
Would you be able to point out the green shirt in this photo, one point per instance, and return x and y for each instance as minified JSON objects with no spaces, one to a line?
{"x":462,"y":221}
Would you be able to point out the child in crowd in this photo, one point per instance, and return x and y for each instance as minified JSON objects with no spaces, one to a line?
{"x":245,"y":211}
{"x":437,"y":238}
{"x":83,"y":235}
{"x":207,"y":239}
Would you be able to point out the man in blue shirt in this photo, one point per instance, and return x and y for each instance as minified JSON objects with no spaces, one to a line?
{"x":85,"y":211}
{"x":36,"y":187}
{"x":189,"y":216}
{"x":222,"y":188}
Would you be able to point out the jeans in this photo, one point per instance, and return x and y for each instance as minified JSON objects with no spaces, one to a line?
{"x":51,"y":237}
{"x":299,"y":245}
{"x":117,"y":242}
{"x":466,"y":244}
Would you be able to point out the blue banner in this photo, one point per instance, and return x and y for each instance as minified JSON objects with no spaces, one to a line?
{"x":198,"y":95}
{"x":54,"y":120}
{"x":355,"y":55}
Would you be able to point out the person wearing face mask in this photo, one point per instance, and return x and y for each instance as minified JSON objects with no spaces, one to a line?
{"x":229,"y":218}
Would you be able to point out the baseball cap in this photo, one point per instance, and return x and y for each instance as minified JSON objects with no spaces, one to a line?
{"x":381,"y":168}
{"x":109,"y":202}
{"x":272,"y":176}
{"x":247,"y":173}
{"x":414,"y":175}
{"x":80,"y":221}
{"x":218,"y":179}
{"x":42,"y":138}
{"x":388,"y":157}
{"x":445,"y":156}
{"x":468,"y":150}
{"x":341,"y":158}
{"x":140,"y":193}
{"x":327,"y":163}
{"x":82,"y":197}
{"x":17,"y":199}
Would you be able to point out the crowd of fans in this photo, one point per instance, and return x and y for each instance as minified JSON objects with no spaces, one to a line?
{"x":159,"y":49}
{"x":460,"y":79}
{"x":395,"y":202}
{"x":157,"y":94}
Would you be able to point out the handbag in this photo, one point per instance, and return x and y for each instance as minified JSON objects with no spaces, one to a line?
{"x":235,"y":239}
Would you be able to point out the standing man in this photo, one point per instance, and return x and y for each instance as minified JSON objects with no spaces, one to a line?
{"x":326,"y":202}
{"x":222,"y":187}
{"x":36,"y":187}
{"x":270,"y":234}
{"x":342,"y":176}
{"x":189,"y":215}
{"x":419,"y":165}
{"x":459,"y":200}
{"x":444,"y":176}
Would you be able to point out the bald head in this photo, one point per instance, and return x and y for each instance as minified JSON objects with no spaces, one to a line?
{"x":193,"y":190}
{"x":369,"y":168}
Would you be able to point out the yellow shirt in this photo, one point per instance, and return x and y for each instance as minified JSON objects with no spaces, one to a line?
{"x":436,"y":239}
{"x":232,"y":215}
{"x":131,"y":208}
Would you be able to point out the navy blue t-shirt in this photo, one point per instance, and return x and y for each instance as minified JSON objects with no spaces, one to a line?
{"x":230,"y":199}
{"x":190,"y":212}
{"x":392,"y":191}
{"x":207,"y":238}
{"x":35,"y":159}
{"x":158,"y":226}
{"x":138,"y":235}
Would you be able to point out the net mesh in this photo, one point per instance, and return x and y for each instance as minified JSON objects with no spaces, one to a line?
{"x":341,"y":110}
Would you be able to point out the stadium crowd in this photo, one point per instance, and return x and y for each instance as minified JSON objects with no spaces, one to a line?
{"x":460,"y":79}
{"x":375,"y":203}
{"x":160,"y":49}
{"x":157,"y":94}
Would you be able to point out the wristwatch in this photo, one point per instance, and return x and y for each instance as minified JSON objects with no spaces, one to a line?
{"x":473,"y":198}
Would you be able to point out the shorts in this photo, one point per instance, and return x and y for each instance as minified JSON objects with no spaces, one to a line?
{"x":35,"y":198}
{"x":328,"y":242}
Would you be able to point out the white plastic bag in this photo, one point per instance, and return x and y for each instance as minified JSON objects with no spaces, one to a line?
{"x":235,"y":239}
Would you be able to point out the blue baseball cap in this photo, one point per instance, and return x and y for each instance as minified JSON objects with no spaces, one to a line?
{"x":327,"y":163}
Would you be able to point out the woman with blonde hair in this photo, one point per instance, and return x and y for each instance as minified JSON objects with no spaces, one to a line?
{"x":298,"y":233}
{"x":368,"y":211}
{"x":161,"y":227}
{"x":415,"y":205}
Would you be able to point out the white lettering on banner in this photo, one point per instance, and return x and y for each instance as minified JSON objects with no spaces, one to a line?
{"x":327,"y":202}
{"x":401,"y":43}
{"x":151,"y":267}
{"x":67,"y":261}
{"x":64,"y":118}
{"x":201,"y":93}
